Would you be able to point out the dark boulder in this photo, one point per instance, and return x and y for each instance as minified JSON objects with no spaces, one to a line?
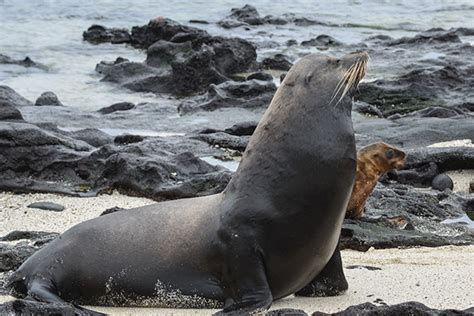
{"x":323,"y":41}
{"x":403,"y":216}
{"x":97,"y":34}
{"x":26,"y":62}
{"x":163,"y":29}
{"x":415,"y":90}
{"x":9,"y":96}
{"x":246,"y":94}
{"x":92,"y":136}
{"x":408,"y":308}
{"x":225,"y":140}
{"x":260,"y":76}
{"x":37,"y":236}
{"x":36,"y":160}
{"x":247,"y":15}
{"x":429,"y":37}
{"x":181,"y":60}
{"x":442,"y":182}
{"x":128,"y":139}
{"x":242,"y":129}
{"x":48,"y":98}
{"x":13,"y":255}
{"x":30,"y":307}
{"x":9,"y":112}
{"x":121,"y":106}
{"x":278,"y":62}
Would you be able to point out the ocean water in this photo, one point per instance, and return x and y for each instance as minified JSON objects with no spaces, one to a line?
{"x":50,"y":32}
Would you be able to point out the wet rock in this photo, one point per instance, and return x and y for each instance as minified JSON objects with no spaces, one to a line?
{"x":402,"y":216}
{"x":26,"y":62}
{"x":429,"y":37}
{"x":464,"y":31}
{"x":37,"y":236}
{"x":408,"y":308}
{"x":163,"y":53}
{"x":48,"y":98}
{"x":367,"y":109}
{"x":13,"y":255}
{"x":322,"y":41}
{"x":421,"y":175}
{"x":121,"y":106}
{"x":286,"y":312}
{"x":303,"y":21}
{"x":442,"y":182}
{"x":418,"y":89}
{"x":47,"y":206}
{"x":112,"y":210}
{"x":9,"y":96}
{"x":36,"y":160}
{"x":9,"y":112}
{"x":242,"y":129}
{"x":246,"y":94}
{"x":471,"y":187}
{"x":128,"y":139}
{"x":445,"y":158}
{"x":225,"y":140}
{"x":97,"y":34}
{"x":163,"y":29}
{"x":278,"y":62}
{"x":247,"y":15}
{"x":180,"y":60}
{"x":437,"y":111}
{"x":260,"y":76}
{"x":30,"y":307}
{"x":92,"y":136}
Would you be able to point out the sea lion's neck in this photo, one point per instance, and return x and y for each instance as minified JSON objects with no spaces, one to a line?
{"x":287,"y":158}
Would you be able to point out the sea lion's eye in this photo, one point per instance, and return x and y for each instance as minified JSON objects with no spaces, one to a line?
{"x":389,"y":154}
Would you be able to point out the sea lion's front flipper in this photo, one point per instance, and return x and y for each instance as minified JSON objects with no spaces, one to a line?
{"x":331,"y":281}
{"x":252,"y":293}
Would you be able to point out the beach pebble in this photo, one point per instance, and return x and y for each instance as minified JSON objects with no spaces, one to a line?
{"x":48,"y":206}
{"x":442,"y":182}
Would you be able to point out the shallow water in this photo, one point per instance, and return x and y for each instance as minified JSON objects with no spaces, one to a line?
{"x":50,"y":32}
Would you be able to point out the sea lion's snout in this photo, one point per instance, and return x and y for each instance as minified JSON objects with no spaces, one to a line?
{"x":354,"y":68}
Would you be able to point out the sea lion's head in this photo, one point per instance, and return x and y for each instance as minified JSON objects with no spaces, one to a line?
{"x":335,"y":80}
{"x":383,"y":156}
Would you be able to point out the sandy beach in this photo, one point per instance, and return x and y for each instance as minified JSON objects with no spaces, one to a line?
{"x":438,"y":277}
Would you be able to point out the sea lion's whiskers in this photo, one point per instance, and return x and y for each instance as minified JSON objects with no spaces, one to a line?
{"x":350,"y":79}
{"x":341,"y":82}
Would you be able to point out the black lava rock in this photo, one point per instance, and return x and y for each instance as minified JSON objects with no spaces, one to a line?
{"x":47,"y":206}
{"x":121,"y":106}
{"x":97,"y":34}
{"x":442,"y":182}
{"x":48,"y":98}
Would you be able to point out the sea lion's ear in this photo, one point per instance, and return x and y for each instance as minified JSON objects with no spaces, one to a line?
{"x":389,"y":154}
{"x":307,"y":78}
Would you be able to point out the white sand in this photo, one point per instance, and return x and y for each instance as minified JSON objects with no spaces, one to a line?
{"x":438,"y":277}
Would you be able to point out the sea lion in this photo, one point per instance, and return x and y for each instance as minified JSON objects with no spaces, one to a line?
{"x":267,"y":235}
{"x":372,"y":161}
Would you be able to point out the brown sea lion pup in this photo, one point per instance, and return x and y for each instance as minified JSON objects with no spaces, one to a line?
{"x":372,"y":161}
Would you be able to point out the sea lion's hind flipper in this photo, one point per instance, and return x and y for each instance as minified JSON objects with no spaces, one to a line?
{"x":44,"y":291}
{"x":331,"y":281}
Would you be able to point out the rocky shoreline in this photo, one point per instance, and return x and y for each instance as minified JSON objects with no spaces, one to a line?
{"x":420,"y":94}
